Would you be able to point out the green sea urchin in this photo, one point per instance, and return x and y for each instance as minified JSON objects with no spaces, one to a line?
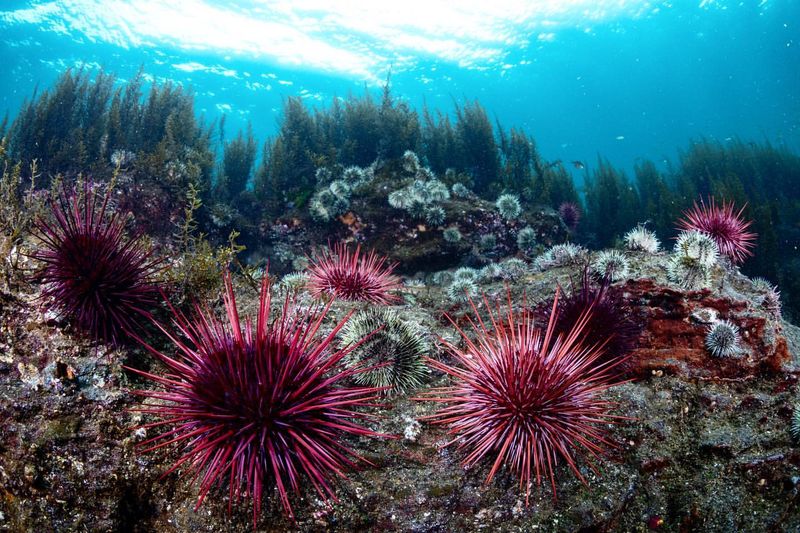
{"x":611,"y":264}
{"x":508,"y":206}
{"x":526,"y":241}
{"x":642,"y":239}
{"x":461,"y":290}
{"x":435,"y":215}
{"x":690,"y":264}
{"x":465,"y":273}
{"x":451,"y":235}
{"x":722,"y":339}
{"x":391,"y":357}
{"x":794,"y":427}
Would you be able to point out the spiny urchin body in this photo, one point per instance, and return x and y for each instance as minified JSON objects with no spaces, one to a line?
{"x":513,"y":268}
{"x":92,"y":275}
{"x":726,"y":226}
{"x":611,"y":264}
{"x":292,"y":283}
{"x":340,"y":188}
{"x":571,"y":214}
{"x":525,"y":398}
{"x":326,"y":205}
{"x":391,"y":357}
{"x":435,"y":215}
{"x":487,"y":242}
{"x":460,"y":190}
{"x":794,"y":427}
{"x":420,"y":197}
{"x":462,"y":289}
{"x":451,"y":235}
{"x":611,"y":324}
{"x":722,"y":339}
{"x":642,"y":239}
{"x":410,"y":162}
{"x":465,"y":273}
{"x":526,"y":241}
{"x":561,"y":255}
{"x":258,"y":405}
{"x":771,"y":299}
{"x":491,"y":272}
{"x":352,"y":275}
{"x":508,"y":206}
{"x":443,"y":277}
{"x":691,"y":261}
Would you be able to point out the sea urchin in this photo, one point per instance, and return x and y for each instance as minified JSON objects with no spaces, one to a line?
{"x":724,"y":225}
{"x":92,"y":275}
{"x":392,"y":352}
{"x":526,"y":398}
{"x":571,"y":214}
{"x":722,"y":339}
{"x":352,"y":275}
{"x":258,"y":405}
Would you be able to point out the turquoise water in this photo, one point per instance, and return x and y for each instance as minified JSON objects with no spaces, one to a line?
{"x":621,"y":79}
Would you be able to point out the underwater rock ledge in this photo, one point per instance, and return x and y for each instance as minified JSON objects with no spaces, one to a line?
{"x":707,"y":449}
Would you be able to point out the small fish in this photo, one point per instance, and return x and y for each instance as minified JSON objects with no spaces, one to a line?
{"x":620,"y":137}
{"x":578,"y":164}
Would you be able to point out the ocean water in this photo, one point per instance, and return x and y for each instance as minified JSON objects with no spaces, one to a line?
{"x":621,"y":79}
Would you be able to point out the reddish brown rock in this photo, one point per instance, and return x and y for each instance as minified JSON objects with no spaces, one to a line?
{"x":674,"y":341}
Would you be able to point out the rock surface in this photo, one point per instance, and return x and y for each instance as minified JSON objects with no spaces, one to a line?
{"x":706,"y":447}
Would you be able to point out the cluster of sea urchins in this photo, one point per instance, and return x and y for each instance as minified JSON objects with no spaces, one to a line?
{"x":92,"y":274}
{"x":257,"y":405}
{"x":350,"y":275}
{"x":724,"y":225}
{"x":525,"y":397}
{"x":262,"y":405}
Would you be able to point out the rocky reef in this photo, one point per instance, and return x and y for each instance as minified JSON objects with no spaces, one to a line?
{"x":705,"y":445}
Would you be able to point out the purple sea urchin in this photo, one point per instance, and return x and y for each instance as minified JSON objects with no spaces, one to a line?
{"x":257,"y":405}
{"x":92,"y":275}
{"x":571,"y":214}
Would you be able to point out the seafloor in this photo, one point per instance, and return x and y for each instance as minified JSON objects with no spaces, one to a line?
{"x":707,"y":447}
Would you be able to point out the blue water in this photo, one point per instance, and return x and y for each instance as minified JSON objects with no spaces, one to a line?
{"x":620,"y":79}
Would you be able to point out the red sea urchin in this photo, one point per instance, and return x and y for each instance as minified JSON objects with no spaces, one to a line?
{"x":722,"y":224}
{"x":352,"y":275}
{"x":526,"y":397}
{"x":91,"y":274}
{"x":259,"y":405}
{"x":612,"y":322}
